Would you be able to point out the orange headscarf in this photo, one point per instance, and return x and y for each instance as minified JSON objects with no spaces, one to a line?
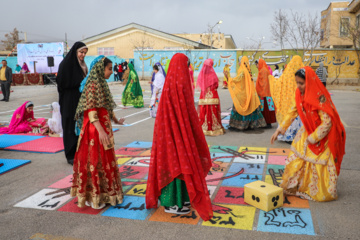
{"x":242,"y":90}
{"x":316,"y":98}
{"x":283,"y":88}
{"x":262,"y":82}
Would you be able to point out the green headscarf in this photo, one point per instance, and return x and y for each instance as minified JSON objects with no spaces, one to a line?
{"x":96,"y":93}
{"x":167,"y":65}
{"x":135,"y":88}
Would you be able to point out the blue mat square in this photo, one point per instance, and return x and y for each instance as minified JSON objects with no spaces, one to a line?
{"x":10,"y":164}
{"x":241,"y":180}
{"x":248,"y":167}
{"x":227,"y":117}
{"x":131,"y":208}
{"x":115,"y":129}
{"x":138,"y":144}
{"x":286,"y":220}
{"x":7,"y":140}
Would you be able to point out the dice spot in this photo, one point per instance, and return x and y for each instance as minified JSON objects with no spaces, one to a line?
{"x":275,"y":204}
{"x":263,"y":186}
{"x":253,"y":197}
{"x":277,"y":198}
{"x":257,"y":199}
{"x":273,"y":199}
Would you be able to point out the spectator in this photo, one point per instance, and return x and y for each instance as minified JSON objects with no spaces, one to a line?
{"x":5,"y":79}
{"x":116,"y":76}
{"x":322,"y":73}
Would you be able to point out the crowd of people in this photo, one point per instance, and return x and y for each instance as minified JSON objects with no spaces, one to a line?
{"x":180,"y":157}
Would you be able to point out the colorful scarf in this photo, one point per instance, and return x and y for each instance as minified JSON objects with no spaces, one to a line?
{"x":19,"y":121}
{"x":242,"y":90}
{"x":283,"y":88}
{"x":96,"y":92}
{"x":262,"y":82}
{"x":179,"y":147}
{"x":316,"y":98}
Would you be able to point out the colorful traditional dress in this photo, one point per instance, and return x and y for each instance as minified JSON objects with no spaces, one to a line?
{"x":283,"y":92}
{"x":132,"y":94}
{"x":96,"y":177}
{"x":191,"y":72}
{"x":313,"y":165}
{"x":209,"y":103}
{"x":245,"y":113}
{"x":55,"y":122}
{"x":226,"y":72}
{"x":23,"y":121}
{"x":263,"y":90}
{"x":180,"y":158}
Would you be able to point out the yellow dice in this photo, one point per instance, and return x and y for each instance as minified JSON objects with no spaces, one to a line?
{"x":263,"y":195}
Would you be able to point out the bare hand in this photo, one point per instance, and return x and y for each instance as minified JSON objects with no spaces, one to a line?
{"x":104,"y":138}
{"x":121,"y":121}
{"x":132,"y":81}
{"x":274,"y":136}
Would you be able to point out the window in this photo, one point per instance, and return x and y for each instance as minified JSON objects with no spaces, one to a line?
{"x":358,"y":21}
{"x":344,"y":24}
{"x":106,"y":51}
{"x":322,"y":34}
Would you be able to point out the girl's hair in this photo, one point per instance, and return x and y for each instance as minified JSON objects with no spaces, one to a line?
{"x":276,"y":66}
{"x":155,"y":67}
{"x":300,"y":73}
{"x":107,"y":61}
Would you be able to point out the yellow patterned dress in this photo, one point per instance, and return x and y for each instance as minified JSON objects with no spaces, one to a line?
{"x":306,"y":174}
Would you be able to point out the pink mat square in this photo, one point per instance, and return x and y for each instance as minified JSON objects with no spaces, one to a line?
{"x":225,"y":121}
{"x":63,"y":183}
{"x":214,"y":175}
{"x":225,"y":113}
{"x":277,"y":160}
{"x":43,"y":145}
{"x":72,"y":207}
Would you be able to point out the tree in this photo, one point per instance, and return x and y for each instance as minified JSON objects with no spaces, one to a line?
{"x":12,"y":39}
{"x":354,"y":35}
{"x":301,"y":32}
{"x":141,"y":44}
{"x":279,"y":28}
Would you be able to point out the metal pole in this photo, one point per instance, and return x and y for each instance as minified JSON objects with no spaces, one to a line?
{"x":25,"y":36}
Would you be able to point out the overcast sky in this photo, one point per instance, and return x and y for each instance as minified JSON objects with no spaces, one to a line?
{"x":48,"y":20}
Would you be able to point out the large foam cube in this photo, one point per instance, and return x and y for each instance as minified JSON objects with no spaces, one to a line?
{"x":263,"y":195}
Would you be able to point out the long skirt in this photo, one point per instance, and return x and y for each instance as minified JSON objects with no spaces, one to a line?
{"x":96,"y":176}
{"x":252,"y":121}
{"x":128,"y":99}
{"x":291,"y":131}
{"x":270,"y":116}
{"x":174,"y":193}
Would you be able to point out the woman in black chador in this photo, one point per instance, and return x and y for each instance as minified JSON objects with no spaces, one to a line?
{"x":72,"y":71}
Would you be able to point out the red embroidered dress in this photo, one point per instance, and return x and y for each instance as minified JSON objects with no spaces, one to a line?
{"x":209,"y":102}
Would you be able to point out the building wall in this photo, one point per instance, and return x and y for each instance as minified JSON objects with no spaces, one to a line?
{"x":123,"y":43}
{"x":330,"y":24}
{"x":205,"y":39}
{"x":197,"y":58}
{"x":336,"y":61}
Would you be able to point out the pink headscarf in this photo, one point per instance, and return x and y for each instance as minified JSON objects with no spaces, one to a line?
{"x":19,"y":123}
{"x":207,"y":77}
{"x":270,"y":70}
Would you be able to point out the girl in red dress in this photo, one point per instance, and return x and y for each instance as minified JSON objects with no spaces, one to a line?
{"x":209,"y":103}
{"x":96,"y":178}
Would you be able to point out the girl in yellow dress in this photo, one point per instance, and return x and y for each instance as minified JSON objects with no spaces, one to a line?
{"x":313,"y":165}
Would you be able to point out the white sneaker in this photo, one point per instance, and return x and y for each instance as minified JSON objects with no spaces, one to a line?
{"x":187,"y":204}
{"x":87,"y":203}
{"x":101,"y":206}
{"x":176,"y":210}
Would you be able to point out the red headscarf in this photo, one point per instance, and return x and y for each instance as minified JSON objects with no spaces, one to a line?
{"x":316,"y":98}
{"x":179,"y":147}
{"x":207,"y":77}
{"x":19,"y":123}
{"x":262,"y":82}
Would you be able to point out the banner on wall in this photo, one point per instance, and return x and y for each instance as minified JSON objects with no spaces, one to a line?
{"x":38,"y":53}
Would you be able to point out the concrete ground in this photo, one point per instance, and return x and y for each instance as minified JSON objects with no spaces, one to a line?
{"x":332,"y":220}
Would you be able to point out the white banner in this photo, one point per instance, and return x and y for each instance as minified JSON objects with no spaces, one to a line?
{"x":38,"y":53}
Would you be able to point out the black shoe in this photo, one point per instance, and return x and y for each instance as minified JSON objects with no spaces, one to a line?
{"x":3,"y":99}
{"x":71,"y":162}
{"x":176,"y":210}
{"x":6,"y":100}
{"x":187,"y":204}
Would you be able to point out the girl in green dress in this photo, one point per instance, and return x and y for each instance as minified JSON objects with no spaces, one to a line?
{"x":132,"y":94}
